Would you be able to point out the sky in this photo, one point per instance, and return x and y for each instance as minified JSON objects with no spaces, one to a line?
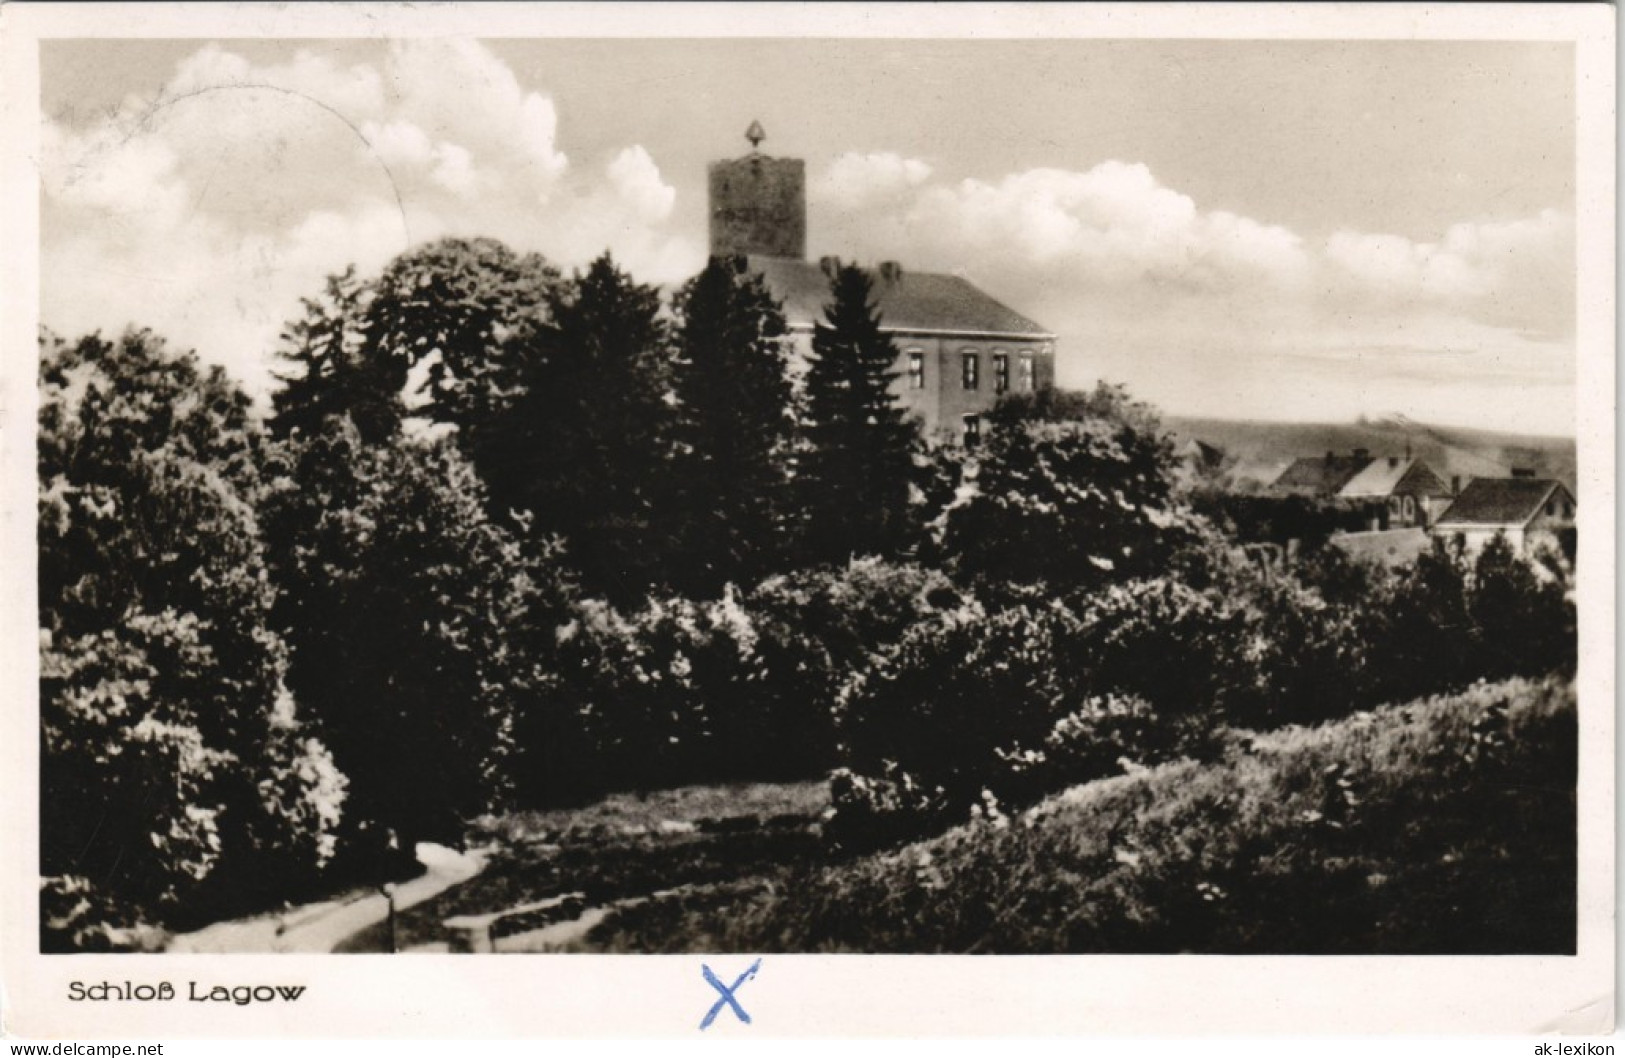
{"x":1293,"y":230}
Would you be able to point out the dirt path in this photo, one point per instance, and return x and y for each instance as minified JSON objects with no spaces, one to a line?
{"x":322,"y":926}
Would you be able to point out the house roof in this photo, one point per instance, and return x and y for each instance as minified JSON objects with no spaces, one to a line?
{"x":1321,"y":475}
{"x":912,"y":302}
{"x":1384,"y":476}
{"x":1499,"y":502}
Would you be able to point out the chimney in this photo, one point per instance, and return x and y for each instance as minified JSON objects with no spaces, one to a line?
{"x":1455,"y":484}
{"x":1393,"y":461}
{"x":1523,"y":472}
{"x":1330,"y":458}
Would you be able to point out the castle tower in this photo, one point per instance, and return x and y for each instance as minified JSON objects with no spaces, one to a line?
{"x":759,"y":204}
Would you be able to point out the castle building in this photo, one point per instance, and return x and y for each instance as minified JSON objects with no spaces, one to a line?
{"x":959,"y":350}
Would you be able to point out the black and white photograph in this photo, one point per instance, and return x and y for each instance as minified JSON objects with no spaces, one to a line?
{"x":747,"y":494}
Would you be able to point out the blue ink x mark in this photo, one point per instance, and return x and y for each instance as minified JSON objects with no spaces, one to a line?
{"x":727,"y":991}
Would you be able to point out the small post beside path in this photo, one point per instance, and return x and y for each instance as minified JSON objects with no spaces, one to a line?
{"x":388,"y":889}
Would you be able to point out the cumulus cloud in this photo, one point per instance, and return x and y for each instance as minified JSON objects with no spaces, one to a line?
{"x":1113,"y":224}
{"x":865,"y":181}
{"x":209,"y":209}
{"x":639,"y":186}
{"x":1208,"y":309}
{"x":1518,"y":272}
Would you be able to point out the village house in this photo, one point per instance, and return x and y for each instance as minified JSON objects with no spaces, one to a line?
{"x":959,"y":350}
{"x":1528,"y":511}
{"x":1413,"y":493}
{"x":1390,"y":492}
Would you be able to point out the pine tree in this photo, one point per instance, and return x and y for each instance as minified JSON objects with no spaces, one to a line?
{"x":733,"y":428}
{"x":858,"y":465}
{"x":582,"y":449}
{"x":338,"y":372}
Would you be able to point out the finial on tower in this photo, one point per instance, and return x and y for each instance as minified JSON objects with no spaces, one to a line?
{"x":755,"y":135}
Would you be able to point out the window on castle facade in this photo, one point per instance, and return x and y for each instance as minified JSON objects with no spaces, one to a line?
{"x":1001,"y":372}
{"x":970,"y":366}
{"x":1029,"y":376}
{"x":916,"y":369}
{"x":973,"y":429}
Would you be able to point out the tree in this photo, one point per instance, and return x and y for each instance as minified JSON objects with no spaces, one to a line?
{"x":453,"y":309}
{"x":1427,"y":638}
{"x":1524,"y":619}
{"x":733,"y":428}
{"x":178,"y":780}
{"x":445,"y":314}
{"x":1071,"y":489}
{"x":582,"y":449}
{"x":419,"y":627}
{"x":858,"y":466}
{"x":338,"y":372}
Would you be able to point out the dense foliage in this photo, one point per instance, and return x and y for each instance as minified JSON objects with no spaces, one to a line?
{"x":419,"y":628}
{"x":960,"y":715}
{"x":514,"y":540}
{"x":1411,"y":829}
{"x":178,"y":780}
{"x":1070,"y":490}
{"x":582,"y":451}
{"x":733,"y":431}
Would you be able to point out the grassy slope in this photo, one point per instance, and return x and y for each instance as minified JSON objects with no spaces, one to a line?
{"x":626,"y":846}
{"x":1446,"y":825}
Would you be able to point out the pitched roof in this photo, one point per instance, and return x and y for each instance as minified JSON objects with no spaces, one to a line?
{"x":1384,"y":476}
{"x":1499,"y":502}
{"x":1319,"y":475}
{"x":912,"y":302}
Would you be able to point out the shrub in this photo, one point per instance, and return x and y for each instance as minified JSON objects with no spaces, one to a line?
{"x":1067,"y":489}
{"x":930,"y":724}
{"x":649,"y":692}
{"x":741,"y":687}
{"x":175,"y":770}
{"x":835,"y":619}
{"x":1442,"y":826}
{"x":75,"y":916}
{"x":1189,"y":653}
{"x":1524,"y":620}
{"x":420,"y":628}
{"x":990,"y":709}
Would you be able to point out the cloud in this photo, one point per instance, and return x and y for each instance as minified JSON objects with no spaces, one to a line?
{"x":625,"y":213}
{"x":865,"y":181}
{"x":210,"y":209}
{"x":1114,"y":224}
{"x":638,"y":184}
{"x":1208,"y":310}
{"x":1519,"y":272}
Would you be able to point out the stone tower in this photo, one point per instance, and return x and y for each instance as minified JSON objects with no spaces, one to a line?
{"x":759,"y":204}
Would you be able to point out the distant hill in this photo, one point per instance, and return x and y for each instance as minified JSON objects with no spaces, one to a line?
{"x":1261,"y":450}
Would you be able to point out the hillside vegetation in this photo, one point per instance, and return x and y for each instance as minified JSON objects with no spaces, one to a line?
{"x":1443,"y":825}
